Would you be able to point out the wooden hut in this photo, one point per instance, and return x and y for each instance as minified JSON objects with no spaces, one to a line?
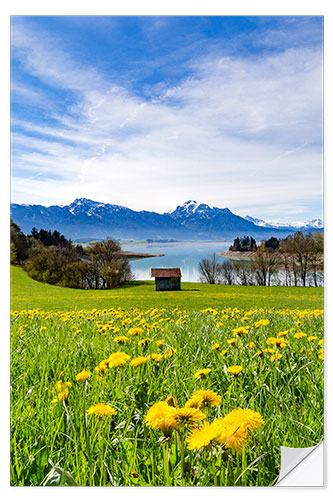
{"x":167,"y":279}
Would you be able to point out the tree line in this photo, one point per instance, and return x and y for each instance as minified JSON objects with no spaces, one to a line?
{"x":51,"y":258}
{"x":293,"y":261}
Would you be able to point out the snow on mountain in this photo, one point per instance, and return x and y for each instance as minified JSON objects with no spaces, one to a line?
{"x":313,"y":224}
{"x":85,"y":218}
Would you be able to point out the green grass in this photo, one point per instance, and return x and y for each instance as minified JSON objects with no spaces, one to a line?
{"x":29,"y":294}
{"x":122,"y":451}
{"x":76,"y":329}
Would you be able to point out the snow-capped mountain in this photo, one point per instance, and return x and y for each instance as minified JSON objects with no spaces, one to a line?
{"x":88,"y":219}
{"x":315,"y":224}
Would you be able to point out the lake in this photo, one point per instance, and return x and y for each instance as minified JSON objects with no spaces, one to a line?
{"x":184,"y":255}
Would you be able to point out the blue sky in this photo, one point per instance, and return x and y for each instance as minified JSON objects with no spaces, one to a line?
{"x":151,"y":111}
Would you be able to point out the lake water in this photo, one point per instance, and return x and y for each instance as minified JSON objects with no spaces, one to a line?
{"x":186,"y":256}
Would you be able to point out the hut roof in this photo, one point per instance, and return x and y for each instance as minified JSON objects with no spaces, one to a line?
{"x":174,"y":272}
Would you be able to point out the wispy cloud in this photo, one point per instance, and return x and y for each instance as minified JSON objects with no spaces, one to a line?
{"x":238,"y":132}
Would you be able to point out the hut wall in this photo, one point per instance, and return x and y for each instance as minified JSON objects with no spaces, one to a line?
{"x":167,"y":284}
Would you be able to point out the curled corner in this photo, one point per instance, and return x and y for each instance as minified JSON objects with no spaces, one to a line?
{"x":302,"y":466}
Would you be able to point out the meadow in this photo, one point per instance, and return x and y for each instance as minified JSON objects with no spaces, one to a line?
{"x":29,"y":294}
{"x":139,"y":395}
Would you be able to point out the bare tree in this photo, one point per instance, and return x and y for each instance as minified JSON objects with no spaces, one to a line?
{"x":243,"y":273}
{"x":264,"y":264}
{"x":210,"y":270}
{"x":227,"y":272}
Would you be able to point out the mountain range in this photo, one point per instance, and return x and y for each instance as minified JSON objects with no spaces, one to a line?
{"x":88,"y":220}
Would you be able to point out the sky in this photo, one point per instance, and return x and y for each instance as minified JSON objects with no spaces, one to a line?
{"x":151,"y":111}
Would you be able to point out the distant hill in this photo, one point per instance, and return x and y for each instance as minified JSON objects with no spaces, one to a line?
{"x":87,"y":219}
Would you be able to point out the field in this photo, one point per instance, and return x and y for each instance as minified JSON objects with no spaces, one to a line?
{"x":105,"y":387}
{"x":29,"y":294}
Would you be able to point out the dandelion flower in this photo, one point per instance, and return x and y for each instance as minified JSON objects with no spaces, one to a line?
{"x":101,"y":410}
{"x":216,"y":346}
{"x":135,"y":331}
{"x":311,"y":338}
{"x":283,"y":334}
{"x":121,"y":339}
{"x":139,"y":360}
{"x":251,"y":345}
{"x":262,"y":322}
{"x":188,"y":416}
{"x":155,"y":357}
{"x":171,"y":401}
{"x":83,"y":376}
{"x":203,"y":437}
{"x":299,"y":335}
{"x":235,"y":370}
{"x":161,"y":416}
{"x":223,"y":352}
{"x":170,"y":352}
{"x":202,"y":373}
{"x":62,"y":391}
{"x":231,"y":341}
{"x":241,"y":330}
{"x":235,"y":427}
{"x":203,"y":398}
{"x":159,"y":343}
{"x":144,"y":342}
{"x":117,"y":359}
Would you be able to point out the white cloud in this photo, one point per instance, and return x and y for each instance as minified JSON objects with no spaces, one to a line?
{"x":241,"y":133}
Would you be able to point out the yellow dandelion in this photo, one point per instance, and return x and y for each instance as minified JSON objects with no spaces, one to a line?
{"x":223,"y":352}
{"x":139,"y":360}
{"x":121,"y":339}
{"x":170,"y":352}
{"x":188,"y":416}
{"x":144,"y":342}
{"x":171,"y":401}
{"x":204,"y":437}
{"x":321,"y":354}
{"x":251,"y":345}
{"x":83,"y":376}
{"x":321,"y":342}
{"x":135,"y":331}
{"x":155,"y":357}
{"x":216,"y":346}
{"x":62,"y":391}
{"x":262,"y":322}
{"x":202,"y":373}
{"x":231,"y":341}
{"x":159,"y":343}
{"x":299,"y":335}
{"x":203,"y":398}
{"x":117,"y":359}
{"x":283,"y":334}
{"x":161,"y":416}
{"x":235,"y":426}
{"x":241,"y":330}
{"x":101,"y":410}
{"x":276,"y":356}
{"x":235,"y":370}
{"x":311,"y":338}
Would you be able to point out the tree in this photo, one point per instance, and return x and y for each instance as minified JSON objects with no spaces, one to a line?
{"x":316,"y":242}
{"x":19,"y":243}
{"x":300,"y":249}
{"x":264,"y":264}
{"x":243,"y":273}
{"x":210,"y":270}
{"x":112,"y":269}
{"x":227,"y":272}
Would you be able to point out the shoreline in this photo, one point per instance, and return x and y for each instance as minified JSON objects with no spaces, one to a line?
{"x":174,"y":243}
{"x":236,"y":255}
{"x":137,"y":255}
